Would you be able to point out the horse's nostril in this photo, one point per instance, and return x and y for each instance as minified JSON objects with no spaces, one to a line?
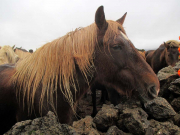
{"x":152,"y":91}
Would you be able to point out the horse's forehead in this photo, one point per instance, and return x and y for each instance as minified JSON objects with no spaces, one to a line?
{"x":124,"y":35}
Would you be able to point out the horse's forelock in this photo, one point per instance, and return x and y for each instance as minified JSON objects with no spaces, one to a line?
{"x":112,"y":31}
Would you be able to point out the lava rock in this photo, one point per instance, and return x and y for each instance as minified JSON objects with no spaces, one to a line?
{"x":177,"y":66}
{"x":113,"y":130}
{"x":47,"y":125}
{"x":128,"y":103}
{"x":135,"y":120}
{"x":176,"y":104}
{"x":166,"y":76}
{"x":85,"y":126}
{"x":162,"y":128}
{"x":175,"y":86}
{"x":106,"y":117}
{"x":166,"y":72}
{"x":176,"y":119}
{"x":159,"y":108}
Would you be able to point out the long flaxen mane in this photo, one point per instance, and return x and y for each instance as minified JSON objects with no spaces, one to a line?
{"x":53,"y":65}
{"x":7,"y":55}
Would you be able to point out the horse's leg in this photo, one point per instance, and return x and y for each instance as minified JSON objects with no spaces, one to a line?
{"x":114,"y":96}
{"x":104,"y":95}
{"x":93,"y":92}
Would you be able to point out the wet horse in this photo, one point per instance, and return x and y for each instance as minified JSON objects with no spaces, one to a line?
{"x":7,"y":55}
{"x":57,"y":75}
{"x":167,"y":54}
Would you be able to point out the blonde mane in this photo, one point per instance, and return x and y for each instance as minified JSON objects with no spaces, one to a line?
{"x":7,"y":55}
{"x":173,"y":43}
{"x":53,"y":65}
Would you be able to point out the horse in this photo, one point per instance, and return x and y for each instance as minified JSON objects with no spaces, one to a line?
{"x":167,"y":54}
{"x":21,"y":52}
{"x":58,"y":74}
{"x":143,"y":54}
{"x":7,"y":55}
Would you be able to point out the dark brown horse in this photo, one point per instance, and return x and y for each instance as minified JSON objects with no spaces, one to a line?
{"x":167,"y":54}
{"x":57,"y":75}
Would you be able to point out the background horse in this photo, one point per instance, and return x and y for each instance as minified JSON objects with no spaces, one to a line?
{"x":143,"y":54}
{"x":167,"y":54}
{"x":7,"y":55}
{"x":21,"y":52}
{"x":57,"y":75}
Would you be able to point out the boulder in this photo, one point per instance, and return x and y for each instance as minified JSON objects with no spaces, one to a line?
{"x":162,"y":128}
{"x":166,"y":72}
{"x":135,"y":120}
{"x":176,"y":104}
{"x":113,"y":130}
{"x":159,"y":108}
{"x":85,"y":126}
{"x":130,"y":103}
{"x":176,"y":119}
{"x":106,"y":117}
{"x":47,"y":125}
{"x":175,"y":86}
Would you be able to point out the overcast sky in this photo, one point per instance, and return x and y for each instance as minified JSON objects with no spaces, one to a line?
{"x":32,"y":23}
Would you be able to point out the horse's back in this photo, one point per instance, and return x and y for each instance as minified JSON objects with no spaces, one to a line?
{"x":153,"y":58}
{"x":7,"y":99}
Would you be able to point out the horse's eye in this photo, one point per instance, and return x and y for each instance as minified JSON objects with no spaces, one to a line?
{"x":116,"y":47}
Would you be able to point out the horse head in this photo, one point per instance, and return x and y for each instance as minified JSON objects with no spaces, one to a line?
{"x":172,"y":53}
{"x":118,"y":64}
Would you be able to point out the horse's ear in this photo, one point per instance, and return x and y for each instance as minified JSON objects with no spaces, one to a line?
{"x":13,"y":47}
{"x":100,"y":19}
{"x":166,"y":45}
{"x":121,"y":20}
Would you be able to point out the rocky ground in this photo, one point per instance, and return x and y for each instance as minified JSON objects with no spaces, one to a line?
{"x":158,"y":117}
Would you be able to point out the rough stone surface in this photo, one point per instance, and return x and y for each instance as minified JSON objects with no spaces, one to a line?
{"x":113,"y":130}
{"x":176,"y":119}
{"x":135,"y":120}
{"x":159,"y":108}
{"x":47,"y":125}
{"x":85,"y":126}
{"x":106,"y":117}
{"x":177,"y":66}
{"x":166,"y":76}
{"x":162,"y":128}
{"x":128,"y":103}
{"x":175,"y":86}
{"x":166,"y":72}
{"x":176,"y":104}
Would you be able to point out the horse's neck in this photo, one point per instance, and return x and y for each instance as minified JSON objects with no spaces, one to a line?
{"x":82,"y":84}
{"x":163,"y":58}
